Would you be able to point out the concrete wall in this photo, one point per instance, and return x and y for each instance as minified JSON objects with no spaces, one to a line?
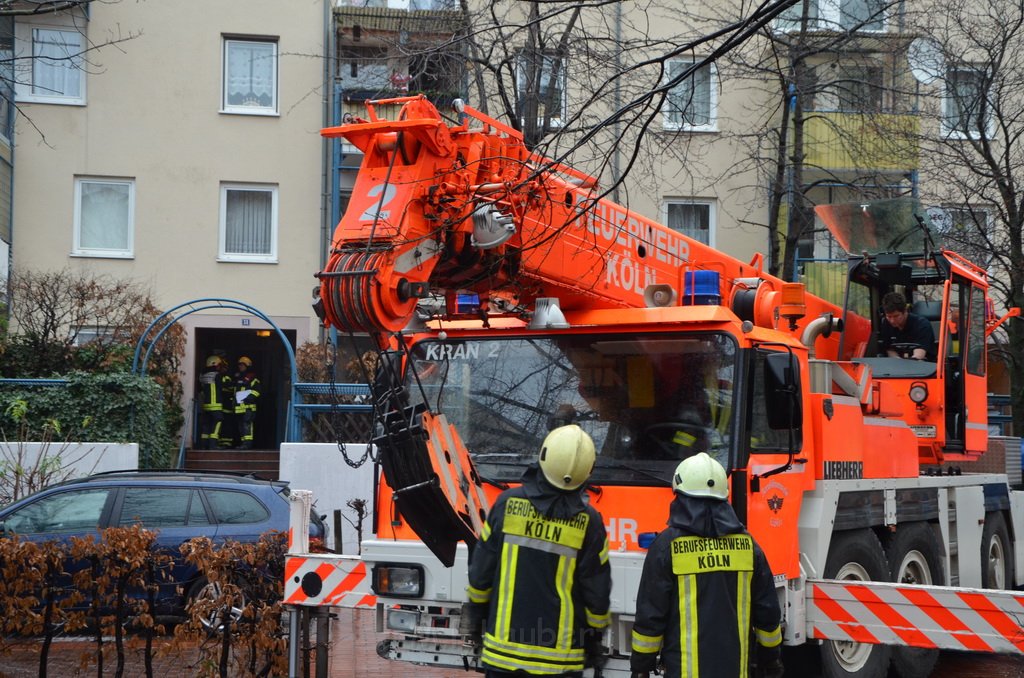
{"x":76,"y":459}
{"x":320,"y":468}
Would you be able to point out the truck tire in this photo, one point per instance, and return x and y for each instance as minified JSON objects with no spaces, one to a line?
{"x":915,"y":557}
{"x":996,"y":553}
{"x":855,"y":555}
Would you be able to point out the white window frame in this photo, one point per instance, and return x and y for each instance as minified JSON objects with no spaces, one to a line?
{"x":825,"y":15}
{"x":267,"y":258}
{"x":710,"y":203}
{"x":226,"y":107}
{"x":563,"y":81}
{"x":947,"y":102}
{"x":81,"y":250}
{"x":26,"y":62}
{"x":713,"y":86}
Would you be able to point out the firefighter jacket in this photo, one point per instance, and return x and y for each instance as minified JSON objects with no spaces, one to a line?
{"x":216,"y":389}
{"x":246,"y":382}
{"x":541,"y":566}
{"x":705,"y":585}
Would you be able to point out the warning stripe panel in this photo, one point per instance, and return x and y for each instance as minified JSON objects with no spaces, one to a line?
{"x":917,"y":616}
{"x":327,"y":580}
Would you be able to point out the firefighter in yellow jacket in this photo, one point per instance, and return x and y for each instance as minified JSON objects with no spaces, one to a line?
{"x":539,"y":579}
{"x":247,"y":394}
{"x":706,"y":587}
{"x":215,"y":395}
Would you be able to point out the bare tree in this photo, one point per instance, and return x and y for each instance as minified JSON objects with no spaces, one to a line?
{"x":970,"y":58}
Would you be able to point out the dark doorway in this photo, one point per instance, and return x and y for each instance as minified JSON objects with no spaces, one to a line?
{"x":269,"y":361}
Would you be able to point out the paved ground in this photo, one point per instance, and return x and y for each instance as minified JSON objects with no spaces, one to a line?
{"x":353,"y":655}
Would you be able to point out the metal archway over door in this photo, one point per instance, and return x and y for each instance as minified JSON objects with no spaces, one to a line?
{"x":274,"y":362}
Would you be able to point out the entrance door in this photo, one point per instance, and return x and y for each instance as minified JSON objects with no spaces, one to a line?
{"x":269,"y":361}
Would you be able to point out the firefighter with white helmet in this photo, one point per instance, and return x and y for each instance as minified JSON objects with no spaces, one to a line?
{"x":539,"y":578}
{"x":707,"y":564}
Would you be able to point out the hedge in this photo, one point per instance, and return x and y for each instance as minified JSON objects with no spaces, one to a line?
{"x":112,"y":407}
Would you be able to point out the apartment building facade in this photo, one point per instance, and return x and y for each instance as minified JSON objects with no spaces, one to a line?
{"x":177,"y":144}
{"x":185,"y":154}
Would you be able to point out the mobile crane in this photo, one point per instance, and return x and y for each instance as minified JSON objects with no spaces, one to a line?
{"x":508,"y":296}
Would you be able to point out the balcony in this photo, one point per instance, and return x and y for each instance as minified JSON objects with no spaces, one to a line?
{"x":836,"y":140}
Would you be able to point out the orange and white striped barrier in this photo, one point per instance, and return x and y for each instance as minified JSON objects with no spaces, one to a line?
{"x":980,"y":620}
{"x":327,"y":580}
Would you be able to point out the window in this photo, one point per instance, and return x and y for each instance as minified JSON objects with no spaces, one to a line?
{"x":789,"y":20}
{"x":54,"y":73}
{"x":363,"y":67}
{"x":156,"y":507}
{"x":74,"y":511}
{"x":6,"y":77}
{"x":692,"y":218}
{"x":964,"y":109}
{"x":248,"y":223}
{"x":825,"y":15}
{"x":250,"y":76}
{"x":236,"y":508}
{"x":540,"y":79}
{"x":692,"y":103}
{"x":862,"y":15}
{"x":104,"y":217}
{"x":976,"y":333}
{"x":847,"y":87}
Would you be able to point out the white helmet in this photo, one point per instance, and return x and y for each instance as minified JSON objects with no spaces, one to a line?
{"x":567,"y":457}
{"x":701,"y":476}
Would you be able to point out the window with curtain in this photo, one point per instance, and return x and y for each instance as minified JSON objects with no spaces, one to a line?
{"x":250,"y":76}
{"x":104,"y":217}
{"x":692,"y":103}
{"x":963,"y":102}
{"x":691,"y":218}
{"x":54,"y":73}
{"x":248,"y":223}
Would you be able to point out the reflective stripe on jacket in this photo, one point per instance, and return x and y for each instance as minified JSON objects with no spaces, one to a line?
{"x":699,"y":600}
{"x":215,"y":389}
{"x":546,"y":580}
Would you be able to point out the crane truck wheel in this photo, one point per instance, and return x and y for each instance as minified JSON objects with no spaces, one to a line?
{"x":915,"y":557}
{"x":996,"y":553}
{"x":855,"y":555}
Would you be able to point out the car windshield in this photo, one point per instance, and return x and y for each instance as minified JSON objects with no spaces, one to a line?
{"x":647,"y":400}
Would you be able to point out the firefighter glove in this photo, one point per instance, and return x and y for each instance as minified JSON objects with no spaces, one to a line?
{"x":593,"y":650}
{"x":640,"y":674}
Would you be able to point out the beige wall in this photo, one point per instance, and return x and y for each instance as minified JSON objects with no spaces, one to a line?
{"x":152,"y":114}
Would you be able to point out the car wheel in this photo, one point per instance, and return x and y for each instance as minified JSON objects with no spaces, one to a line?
{"x":212,"y":605}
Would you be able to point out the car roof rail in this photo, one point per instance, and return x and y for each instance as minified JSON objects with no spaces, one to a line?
{"x":197,"y":473}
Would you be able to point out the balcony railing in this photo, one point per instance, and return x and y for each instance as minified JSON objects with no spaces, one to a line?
{"x":837,"y":140}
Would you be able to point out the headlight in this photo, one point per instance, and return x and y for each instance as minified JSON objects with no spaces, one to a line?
{"x":399,"y":581}
{"x":919,"y":392}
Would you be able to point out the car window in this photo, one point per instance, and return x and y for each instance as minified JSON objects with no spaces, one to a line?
{"x":236,"y":508}
{"x":72,"y":511}
{"x":156,"y":507}
{"x":196,"y":510}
